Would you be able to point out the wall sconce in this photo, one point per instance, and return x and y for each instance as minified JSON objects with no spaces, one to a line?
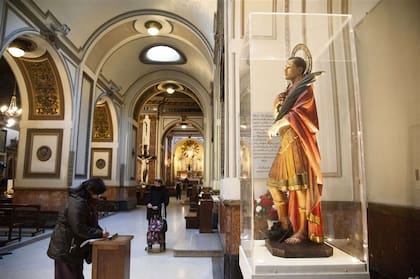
{"x":153,"y":27}
{"x":20,"y":46}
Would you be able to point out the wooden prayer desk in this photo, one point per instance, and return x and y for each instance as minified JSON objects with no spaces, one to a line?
{"x":111,"y":258}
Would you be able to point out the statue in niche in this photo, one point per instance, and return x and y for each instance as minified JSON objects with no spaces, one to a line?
{"x":295,"y":178}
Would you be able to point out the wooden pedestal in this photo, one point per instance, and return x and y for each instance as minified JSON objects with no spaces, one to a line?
{"x":111,"y":258}
{"x":205,"y":216}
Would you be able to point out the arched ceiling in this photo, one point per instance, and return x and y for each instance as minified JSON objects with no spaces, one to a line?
{"x":85,"y":17}
{"x":123,"y":67}
{"x":104,"y":31}
{"x":108,"y":37}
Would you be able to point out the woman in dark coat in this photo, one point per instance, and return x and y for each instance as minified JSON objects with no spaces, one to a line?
{"x":77,"y":223}
{"x":158,"y":195}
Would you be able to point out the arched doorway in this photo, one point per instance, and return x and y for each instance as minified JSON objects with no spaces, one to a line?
{"x":188,"y":158}
{"x":42,"y":132}
{"x":9,"y":127}
{"x":165,"y":119}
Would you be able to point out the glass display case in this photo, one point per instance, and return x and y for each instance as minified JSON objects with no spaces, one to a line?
{"x":326,"y":43}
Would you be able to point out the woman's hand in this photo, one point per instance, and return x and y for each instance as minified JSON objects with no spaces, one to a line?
{"x":105,"y":233}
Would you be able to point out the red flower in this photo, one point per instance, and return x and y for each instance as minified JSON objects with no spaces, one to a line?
{"x":266,"y":202}
{"x":264,"y":207}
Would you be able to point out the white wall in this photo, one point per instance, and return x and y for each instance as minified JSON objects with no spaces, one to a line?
{"x":388,"y":46}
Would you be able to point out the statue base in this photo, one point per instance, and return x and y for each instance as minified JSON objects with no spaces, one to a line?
{"x":305,"y":249}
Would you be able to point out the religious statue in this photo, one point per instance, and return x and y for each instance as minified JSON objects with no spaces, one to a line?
{"x":295,"y":178}
{"x":145,"y":158}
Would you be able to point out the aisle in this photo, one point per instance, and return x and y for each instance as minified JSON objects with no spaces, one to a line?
{"x":31,"y":261}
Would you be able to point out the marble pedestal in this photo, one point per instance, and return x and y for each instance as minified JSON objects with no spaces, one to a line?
{"x":263,"y":265}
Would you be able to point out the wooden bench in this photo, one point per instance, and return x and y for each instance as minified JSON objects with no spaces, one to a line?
{"x":7,"y":221}
{"x":27,"y":215}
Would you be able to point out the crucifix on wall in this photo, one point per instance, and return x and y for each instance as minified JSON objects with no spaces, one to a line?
{"x":145,"y":159}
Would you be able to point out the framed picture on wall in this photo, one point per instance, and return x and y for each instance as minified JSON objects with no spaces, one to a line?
{"x":3,"y":137}
{"x":101,"y":162}
{"x":43,"y":153}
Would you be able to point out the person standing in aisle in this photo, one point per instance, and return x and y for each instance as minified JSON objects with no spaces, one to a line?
{"x":158,"y":195}
{"x":178,"y":190}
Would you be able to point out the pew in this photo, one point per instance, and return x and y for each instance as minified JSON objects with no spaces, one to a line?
{"x":200,"y":214}
{"x":7,"y":221}
{"x":22,"y":216}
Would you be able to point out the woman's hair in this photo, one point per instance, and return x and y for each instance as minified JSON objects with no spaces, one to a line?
{"x":94,"y":185}
{"x":299,"y":62}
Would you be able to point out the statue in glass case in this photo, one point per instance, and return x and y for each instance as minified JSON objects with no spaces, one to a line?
{"x":295,"y":178}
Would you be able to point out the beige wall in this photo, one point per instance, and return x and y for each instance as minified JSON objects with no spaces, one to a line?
{"x":388,"y":47}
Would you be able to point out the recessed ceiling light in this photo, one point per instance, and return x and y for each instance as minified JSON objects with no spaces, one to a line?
{"x":153,"y":27}
{"x":170,"y":86}
{"x":19,"y":47}
{"x":170,"y":90}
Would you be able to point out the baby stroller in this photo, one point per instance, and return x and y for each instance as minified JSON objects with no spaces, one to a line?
{"x":157,"y":229}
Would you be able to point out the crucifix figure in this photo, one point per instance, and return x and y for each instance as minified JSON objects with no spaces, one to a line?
{"x":145,"y":158}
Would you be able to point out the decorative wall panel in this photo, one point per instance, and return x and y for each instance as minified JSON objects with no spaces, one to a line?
{"x":102,"y":124}
{"x":101,"y":162}
{"x":44,"y":88}
{"x":43,"y":153}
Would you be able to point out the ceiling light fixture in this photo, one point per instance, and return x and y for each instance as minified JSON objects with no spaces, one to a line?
{"x":184,"y":124}
{"x":162,"y":54}
{"x":19,"y":47}
{"x":153,"y":27}
{"x":170,"y":86}
{"x":170,"y":90}
{"x":12,"y":110}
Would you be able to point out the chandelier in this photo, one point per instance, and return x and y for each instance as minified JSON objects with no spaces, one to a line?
{"x":10,"y":112}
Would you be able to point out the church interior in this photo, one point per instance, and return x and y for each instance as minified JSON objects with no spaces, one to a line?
{"x":132,"y":91}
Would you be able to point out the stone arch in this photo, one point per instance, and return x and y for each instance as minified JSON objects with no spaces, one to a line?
{"x":94,"y":42}
{"x":33,"y":115}
{"x":133,"y":96}
{"x":35,"y":178}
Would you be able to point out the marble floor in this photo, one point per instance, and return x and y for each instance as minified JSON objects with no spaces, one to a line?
{"x":30,"y":260}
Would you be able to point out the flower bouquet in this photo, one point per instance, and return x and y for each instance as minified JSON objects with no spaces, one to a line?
{"x":265,"y":208}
